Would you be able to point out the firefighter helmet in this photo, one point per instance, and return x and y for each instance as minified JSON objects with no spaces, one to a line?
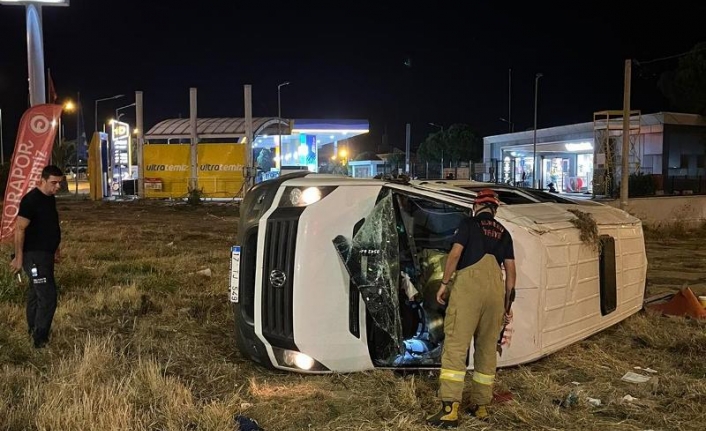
{"x":487,"y":196}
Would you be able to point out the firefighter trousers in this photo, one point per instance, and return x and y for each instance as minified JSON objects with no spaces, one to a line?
{"x":475,"y":312}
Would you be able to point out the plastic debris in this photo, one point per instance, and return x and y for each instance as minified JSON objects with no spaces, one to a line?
{"x":206,"y":272}
{"x":569,"y":401}
{"x":683,"y":303}
{"x":635,"y":378}
{"x":628,"y":398}
{"x":408,"y":287}
{"x":647,"y":370}
{"x":595,"y":402}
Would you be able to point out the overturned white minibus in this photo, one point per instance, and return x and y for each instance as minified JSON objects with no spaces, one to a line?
{"x":335,"y":274}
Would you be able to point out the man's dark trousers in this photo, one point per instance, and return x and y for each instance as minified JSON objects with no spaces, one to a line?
{"x":41,"y":296}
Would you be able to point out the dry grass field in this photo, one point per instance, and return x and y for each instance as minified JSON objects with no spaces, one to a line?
{"x":141,"y":341}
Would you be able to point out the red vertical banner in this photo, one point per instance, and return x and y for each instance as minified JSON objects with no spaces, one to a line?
{"x":35,"y":140}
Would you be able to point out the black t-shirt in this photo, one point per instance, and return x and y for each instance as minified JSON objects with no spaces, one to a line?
{"x":483,"y":235}
{"x":43,"y":232}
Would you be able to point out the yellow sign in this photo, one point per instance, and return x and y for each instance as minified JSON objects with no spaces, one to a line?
{"x":219,"y":171}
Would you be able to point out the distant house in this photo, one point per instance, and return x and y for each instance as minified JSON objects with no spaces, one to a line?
{"x":368,"y":165}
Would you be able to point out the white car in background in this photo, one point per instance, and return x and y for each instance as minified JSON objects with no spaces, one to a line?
{"x":335,"y":274}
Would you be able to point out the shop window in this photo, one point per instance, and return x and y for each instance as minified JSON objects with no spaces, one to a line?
{"x":684,"y":161}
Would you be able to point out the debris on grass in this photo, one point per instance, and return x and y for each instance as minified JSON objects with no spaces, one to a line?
{"x":635,"y":378}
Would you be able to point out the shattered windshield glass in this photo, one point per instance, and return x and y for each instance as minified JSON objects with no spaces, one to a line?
{"x":372,"y":260}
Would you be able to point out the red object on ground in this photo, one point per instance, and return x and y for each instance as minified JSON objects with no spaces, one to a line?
{"x":683,"y":303}
{"x":502,"y":397}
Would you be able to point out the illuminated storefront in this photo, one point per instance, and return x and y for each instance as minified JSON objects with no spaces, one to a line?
{"x":567,"y":166}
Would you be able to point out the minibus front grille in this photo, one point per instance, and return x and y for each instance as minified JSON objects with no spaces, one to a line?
{"x":278,"y":277}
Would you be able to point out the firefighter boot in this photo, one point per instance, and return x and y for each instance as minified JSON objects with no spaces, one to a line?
{"x":479,"y":412}
{"x":447,"y":417}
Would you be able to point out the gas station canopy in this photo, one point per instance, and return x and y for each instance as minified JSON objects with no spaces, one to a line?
{"x":266,"y":130}
{"x":215,"y":128}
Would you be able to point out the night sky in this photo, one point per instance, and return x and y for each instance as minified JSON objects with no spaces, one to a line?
{"x":441,"y":62}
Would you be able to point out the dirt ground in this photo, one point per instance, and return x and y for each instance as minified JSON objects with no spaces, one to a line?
{"x":143,"y":341}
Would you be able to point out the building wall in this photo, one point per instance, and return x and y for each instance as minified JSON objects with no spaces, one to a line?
{"x":667,"y":210}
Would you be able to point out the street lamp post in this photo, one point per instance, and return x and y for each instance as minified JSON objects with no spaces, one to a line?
{"x":95,"y":109}
{"x":279,"y":122}
{"x":510,"y":124}
{"x":66,"y":107}
{"x":117,"y":116}
{"x":78,"y":137}
{"x":534,"y":140}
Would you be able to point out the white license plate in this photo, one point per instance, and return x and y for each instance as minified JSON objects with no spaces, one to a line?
{"x":234,"y":272}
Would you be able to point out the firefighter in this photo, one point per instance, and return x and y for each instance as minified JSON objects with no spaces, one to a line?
{"x":477,"y":307}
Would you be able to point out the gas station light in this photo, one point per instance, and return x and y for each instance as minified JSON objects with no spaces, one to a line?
{"x":39,"y":2}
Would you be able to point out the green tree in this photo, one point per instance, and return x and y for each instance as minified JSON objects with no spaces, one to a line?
{"x":63,"y":154}
{"x":457,"y":143}
{"x":264,"y":160}
{"x":366,"y":155}
{"x":432,"y":149}
{"x":463,"y":144}
{"x":685,"y":87}
{"x":337,"y":167}
{"x":396,"y":160}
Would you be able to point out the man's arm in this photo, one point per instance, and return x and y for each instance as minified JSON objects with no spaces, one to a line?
{"x":20,"y":227}
{"x":451,"y":263}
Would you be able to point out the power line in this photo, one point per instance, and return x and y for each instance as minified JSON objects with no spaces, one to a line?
{"x":640,"y":63}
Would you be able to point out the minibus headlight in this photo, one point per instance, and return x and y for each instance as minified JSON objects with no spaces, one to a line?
{"x":303,"y":196}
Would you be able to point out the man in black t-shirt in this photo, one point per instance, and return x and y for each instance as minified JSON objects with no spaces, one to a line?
{"x":37,"y":239}
{"x":477,"y":308}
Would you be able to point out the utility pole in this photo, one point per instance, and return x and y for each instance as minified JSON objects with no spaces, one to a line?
{"x":509,"y":100}
{"x":407,"y":149}
{"x":78,"y":137}
{"x":193,"y":126}
{"x":139,"y":122}
{"x":280,"y":155}
{"x":625,"y":155}
{"x":535,"y":165}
